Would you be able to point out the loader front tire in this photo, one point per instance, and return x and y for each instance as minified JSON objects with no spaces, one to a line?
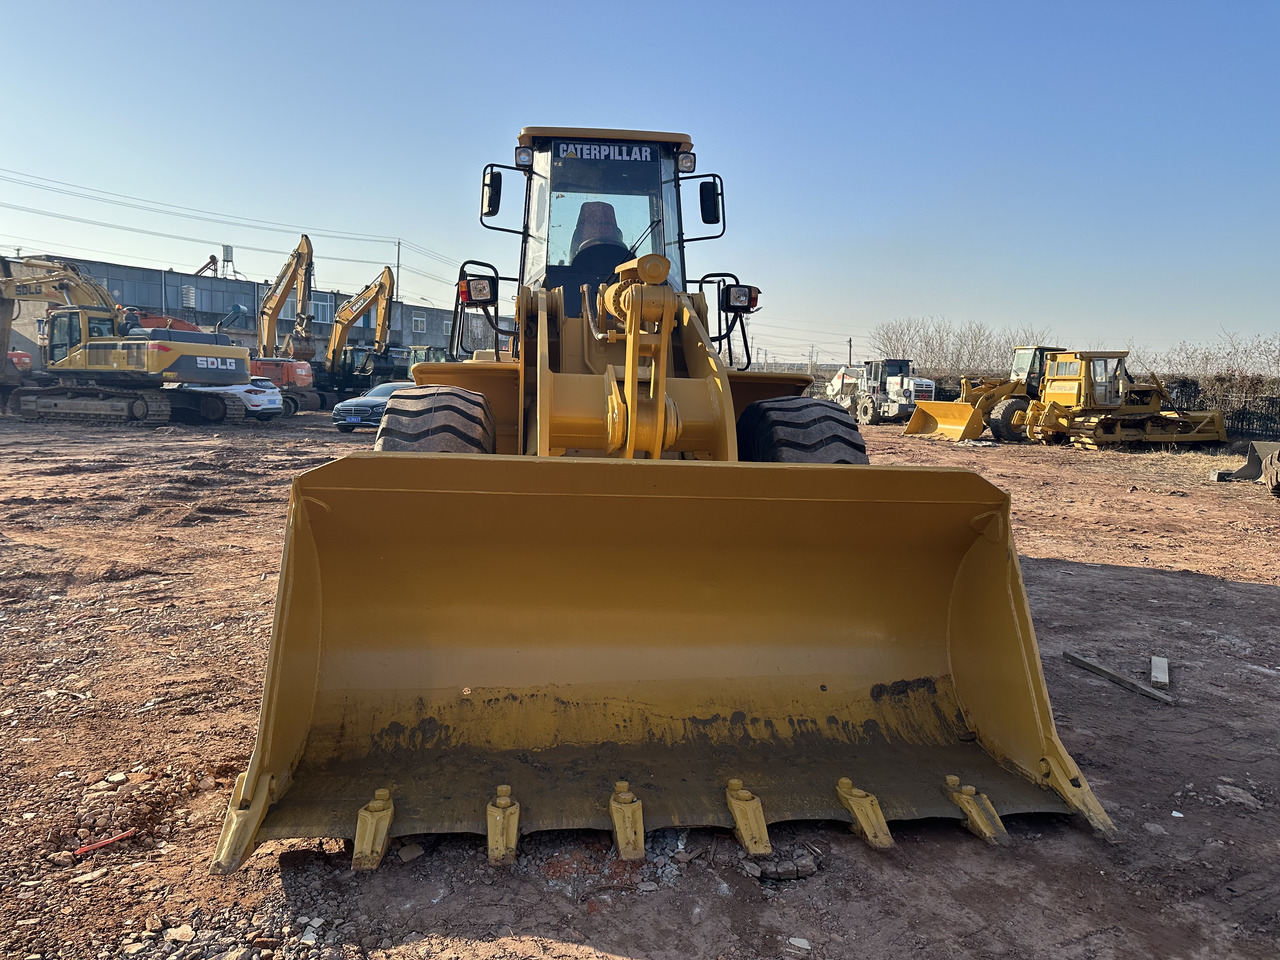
{"x":1271,"y":474}
{"x":799,"y":430}
{"x":1002,"y":420}
{"x":868,"y":412}
{"x":437,"y":419}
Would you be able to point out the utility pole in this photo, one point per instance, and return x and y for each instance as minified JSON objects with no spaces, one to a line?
{"x":398,"y":293}
{"x":851,"y":351}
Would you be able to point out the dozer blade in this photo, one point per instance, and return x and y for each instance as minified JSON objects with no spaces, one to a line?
{"x":955,"y":421}
{"x":447,"y":624}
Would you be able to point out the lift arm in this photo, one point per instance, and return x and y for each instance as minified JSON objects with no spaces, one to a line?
{"x":380,"y":291}
{"x":294,"y":277}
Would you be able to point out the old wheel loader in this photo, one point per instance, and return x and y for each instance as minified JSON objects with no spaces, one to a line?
{"x":596,"y":604}
{"x":985,"y":401}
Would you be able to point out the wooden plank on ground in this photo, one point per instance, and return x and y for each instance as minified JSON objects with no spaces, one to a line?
{"x":1160,"y":672}
{"x":1095,"y":667}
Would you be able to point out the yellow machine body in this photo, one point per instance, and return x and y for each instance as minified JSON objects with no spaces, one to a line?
{"x":607,"y":619}
{"x":952,"y":419}
{"x":1089,"y":399}
{"x":966,"y":417}
{"x":557,"y":625}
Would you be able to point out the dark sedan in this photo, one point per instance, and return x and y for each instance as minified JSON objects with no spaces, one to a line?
{"x":366,"y":410}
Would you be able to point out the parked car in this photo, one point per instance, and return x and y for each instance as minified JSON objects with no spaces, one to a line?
{"x":261,"y":397}
{"x":366,"y":410}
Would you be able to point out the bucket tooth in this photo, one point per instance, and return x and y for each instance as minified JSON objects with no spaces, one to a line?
{"x":373,"y":831}
{"x":981,"y":817}
{"x":628,"y":822}
{"x":868,"y":819}
{"x":1076,"y":791}
{"x":748,"y":819}
{"x":244,"y":817}
{"x":503,"y":818}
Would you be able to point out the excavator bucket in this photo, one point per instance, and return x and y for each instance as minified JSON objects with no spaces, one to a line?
{"x":474,"y":634}
{"x":955,"y":421}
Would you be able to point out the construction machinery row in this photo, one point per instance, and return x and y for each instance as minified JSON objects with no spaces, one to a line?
{"x":305,"y":382}
{"x":1052,"y":395}
{"x":598,"y":609}
{"x":105,"y":362}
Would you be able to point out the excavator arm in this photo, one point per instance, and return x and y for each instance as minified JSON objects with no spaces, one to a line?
{"x":379,"y":292}
{"x":60,"y":283}
{"x":295,"y":277}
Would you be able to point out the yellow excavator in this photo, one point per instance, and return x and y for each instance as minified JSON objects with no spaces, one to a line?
{"x":295,"y":277}
{"x":601,"y":607}
{"x":102,"y":365}
{"x":341,"y":372}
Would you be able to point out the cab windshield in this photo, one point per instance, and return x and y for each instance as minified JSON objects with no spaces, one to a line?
{"x":598,"y":204}
{"x":897,"y":368}
{"x":1022,"y":364}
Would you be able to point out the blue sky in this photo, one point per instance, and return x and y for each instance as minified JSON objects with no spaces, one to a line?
{"x":1108,"y":170}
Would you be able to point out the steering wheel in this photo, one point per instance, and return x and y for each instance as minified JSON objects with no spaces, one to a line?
{"x":601,"y":257}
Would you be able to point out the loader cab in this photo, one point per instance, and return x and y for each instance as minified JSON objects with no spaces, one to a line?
{"x":597,"y":198}
{"x":1028,"y":366}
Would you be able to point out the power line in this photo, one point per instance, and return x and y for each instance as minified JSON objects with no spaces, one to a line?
{"x":208,"y":216}
{"x":152,"y":206}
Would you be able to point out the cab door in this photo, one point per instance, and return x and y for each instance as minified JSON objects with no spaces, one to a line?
{"x":64,"y":337}
{"x":1106,"y":386}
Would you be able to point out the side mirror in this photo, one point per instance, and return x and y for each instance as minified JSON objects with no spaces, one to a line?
{"x":709,"y":201}
{"x":492,"y":197}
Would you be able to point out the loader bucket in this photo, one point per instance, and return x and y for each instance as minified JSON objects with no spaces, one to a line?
{"x":1259,"y":450}
{"x":447,"y":624}
{"x":955,"y":421}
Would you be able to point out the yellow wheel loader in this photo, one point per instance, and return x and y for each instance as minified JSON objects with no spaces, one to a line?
{"x":594,"y":602}
{"x":984,"y":401}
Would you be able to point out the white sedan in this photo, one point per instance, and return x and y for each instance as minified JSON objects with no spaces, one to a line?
{"x":261,"y":397}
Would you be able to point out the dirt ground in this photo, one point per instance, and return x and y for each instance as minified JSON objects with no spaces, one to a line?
{"x":136,"y":593}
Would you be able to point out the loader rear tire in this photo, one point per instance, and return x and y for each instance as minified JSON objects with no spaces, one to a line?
{"x":1271,"y":474}
{"x":799,"y":430}
{"x":1001,"y":421}
{"x":868,"y":412}
{"x":437,"y":419}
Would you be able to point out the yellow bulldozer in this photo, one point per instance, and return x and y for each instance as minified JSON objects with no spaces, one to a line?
{"x":984,"y":401}
{"x":1089,"y":399}
{"x":588,"y":599}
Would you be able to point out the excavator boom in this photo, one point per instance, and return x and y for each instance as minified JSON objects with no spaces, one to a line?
{"x":295,"y":277}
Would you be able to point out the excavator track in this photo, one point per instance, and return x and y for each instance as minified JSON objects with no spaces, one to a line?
{"x":90,"y":404}
{"x":108,"y":405}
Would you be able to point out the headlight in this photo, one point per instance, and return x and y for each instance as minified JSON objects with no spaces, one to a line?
{"x":686,"y":162}
{"x":478,"y":290}
{"x":737,"y":299}
{"x":524,"y":156}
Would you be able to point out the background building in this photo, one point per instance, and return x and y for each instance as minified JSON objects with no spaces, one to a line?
{"x":210,"y":300}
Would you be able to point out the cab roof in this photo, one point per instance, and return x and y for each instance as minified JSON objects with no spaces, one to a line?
{"x":528,"y":134}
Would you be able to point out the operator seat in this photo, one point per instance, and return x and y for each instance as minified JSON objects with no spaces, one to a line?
{"x":597,"y":223}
